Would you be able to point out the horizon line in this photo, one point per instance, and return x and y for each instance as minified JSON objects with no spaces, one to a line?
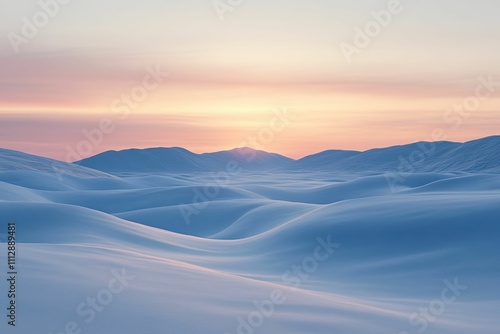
{"x":254,"y":149}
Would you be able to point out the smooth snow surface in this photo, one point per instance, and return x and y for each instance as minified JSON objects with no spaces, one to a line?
{"x":202,"y":268}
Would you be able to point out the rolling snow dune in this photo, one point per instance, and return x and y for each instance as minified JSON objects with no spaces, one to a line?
{"x":15,"y":160}
{"x":276,"y":252}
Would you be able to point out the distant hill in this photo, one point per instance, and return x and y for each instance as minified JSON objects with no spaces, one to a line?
{"x":177,"y":159}
{"x":482,"y":155}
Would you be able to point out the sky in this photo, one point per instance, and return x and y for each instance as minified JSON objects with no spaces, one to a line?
{"x":290,"y":76}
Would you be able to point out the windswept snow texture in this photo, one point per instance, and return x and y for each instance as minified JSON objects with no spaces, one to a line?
{"x":252,"y":252}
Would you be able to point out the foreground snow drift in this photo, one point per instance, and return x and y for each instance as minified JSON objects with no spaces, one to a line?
{"x":261,"y":253}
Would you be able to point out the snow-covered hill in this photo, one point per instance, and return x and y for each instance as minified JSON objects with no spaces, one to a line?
{"x":179,"y":160}
{"x":482,"y":155}
{"x":300,"y":251}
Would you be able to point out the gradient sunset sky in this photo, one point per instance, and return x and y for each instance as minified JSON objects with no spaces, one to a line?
{"x":228,"y":77}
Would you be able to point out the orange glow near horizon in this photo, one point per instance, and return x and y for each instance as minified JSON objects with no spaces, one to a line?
{"x":210,"y":117}
{"x":302,"y":133}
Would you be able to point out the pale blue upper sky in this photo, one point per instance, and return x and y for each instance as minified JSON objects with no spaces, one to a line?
{"x":297,"y":37}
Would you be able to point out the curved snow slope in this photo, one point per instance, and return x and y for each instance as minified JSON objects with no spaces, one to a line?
{"x":16,"y":161}
{"x":344,"y":253}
